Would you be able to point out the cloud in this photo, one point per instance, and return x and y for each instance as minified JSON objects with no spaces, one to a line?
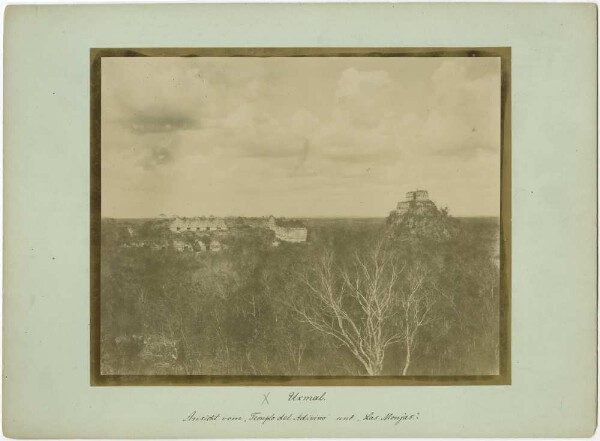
{"x":156,"y":155}
{"x":150,"y":121}
{"x":303,"y":122}
{"x":352,"y":82}
{"x":251,"y":136}
{"x":344,"y":142}
{"x":153,"y":95}
{"x":363,"y":97}
{"x":251,"y":132}
{"x":463,"y":111}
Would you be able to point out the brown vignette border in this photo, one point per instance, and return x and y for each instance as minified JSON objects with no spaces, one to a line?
{"x":504,"y":376}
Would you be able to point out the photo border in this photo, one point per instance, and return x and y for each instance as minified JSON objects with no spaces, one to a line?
{"x":504,"y":376}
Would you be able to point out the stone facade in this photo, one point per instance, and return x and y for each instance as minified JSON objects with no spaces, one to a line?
{"x":414,"y":199}
{"x":294,"y":235}
{"x":181,"y":225}
{"x":288,"y":230}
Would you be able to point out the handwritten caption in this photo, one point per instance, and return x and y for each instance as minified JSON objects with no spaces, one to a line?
{"x":264,"y":417}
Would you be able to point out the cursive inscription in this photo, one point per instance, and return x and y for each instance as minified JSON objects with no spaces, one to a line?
{"x":290,"y":413}
{"x":392,"y":418}
{"x":295,"y":396}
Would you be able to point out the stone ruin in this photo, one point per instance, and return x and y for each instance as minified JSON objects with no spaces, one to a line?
{"x":417,"y":200}
{"x":417,"y":217}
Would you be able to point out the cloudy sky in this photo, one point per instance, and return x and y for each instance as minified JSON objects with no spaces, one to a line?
{"x":298,"y":137}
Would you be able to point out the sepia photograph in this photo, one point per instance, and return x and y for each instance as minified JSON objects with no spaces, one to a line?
{"x":300,"y":215}
{"x":287,"y":220}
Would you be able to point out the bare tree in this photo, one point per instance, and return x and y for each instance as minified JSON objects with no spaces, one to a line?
{"x":296,"y":350}
{"x":372,"y":304}
{"x":355,"y":305}
{"x":416,"y":300}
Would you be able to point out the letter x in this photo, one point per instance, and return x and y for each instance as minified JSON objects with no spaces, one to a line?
{"x":266,"y":398}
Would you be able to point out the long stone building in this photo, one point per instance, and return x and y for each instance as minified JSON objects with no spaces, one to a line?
{"x":180,"y":225}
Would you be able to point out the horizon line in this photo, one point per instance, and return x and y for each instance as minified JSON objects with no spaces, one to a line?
{"x":294,"y":217}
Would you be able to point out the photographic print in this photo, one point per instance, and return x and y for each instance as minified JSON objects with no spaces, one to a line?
{"x":300,"y":216}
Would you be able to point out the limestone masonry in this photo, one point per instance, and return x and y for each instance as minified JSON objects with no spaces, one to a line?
{"x":415,"y":199}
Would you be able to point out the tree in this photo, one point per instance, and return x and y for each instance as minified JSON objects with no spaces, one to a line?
{"x":356,"y":305}
{"x":416,"y":300}
{"x":371,"y":304}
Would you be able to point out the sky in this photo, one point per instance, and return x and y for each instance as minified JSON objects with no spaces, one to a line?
{"x":298,"y":137}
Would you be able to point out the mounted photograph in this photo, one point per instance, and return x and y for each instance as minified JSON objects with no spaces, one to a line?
{"x":300,"y":216}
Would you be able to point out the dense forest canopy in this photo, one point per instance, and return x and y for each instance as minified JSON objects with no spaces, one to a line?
{"x":361,"y":297}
